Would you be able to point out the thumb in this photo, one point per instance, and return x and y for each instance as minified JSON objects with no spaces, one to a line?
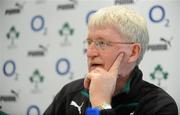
{"x":87,"y":81}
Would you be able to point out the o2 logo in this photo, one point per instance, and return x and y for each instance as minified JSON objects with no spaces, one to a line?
{"x":9,"y":68}
{"x":89,"y":14}
{"x":157,"y":14}
{"x":33,"y":110}
{"x":63,"y":67}
{"x":38,"y":24}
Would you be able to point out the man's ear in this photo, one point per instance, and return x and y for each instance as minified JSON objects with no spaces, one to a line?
{"x":135,"y":52}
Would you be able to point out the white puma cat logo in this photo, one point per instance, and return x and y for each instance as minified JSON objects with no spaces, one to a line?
{"x":131,"y":113}
{"x":76,"y":105}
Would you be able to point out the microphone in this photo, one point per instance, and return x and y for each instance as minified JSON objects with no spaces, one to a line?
{"x":92,"y":111}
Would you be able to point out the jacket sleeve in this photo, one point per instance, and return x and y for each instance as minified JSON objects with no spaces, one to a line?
{"x":164,"y":104}
{"x":170,"y":109}
{"x":57,"y":106}
{"x":118,"y":111}
{"x":107,"y":112}
{"x":111,"y":112}
{"x":158,"y":102}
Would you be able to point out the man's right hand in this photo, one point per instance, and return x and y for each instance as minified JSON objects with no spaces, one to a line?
{"x":102,"y":83}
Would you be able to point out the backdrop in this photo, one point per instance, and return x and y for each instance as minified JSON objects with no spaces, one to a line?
{"x":41,"y":48}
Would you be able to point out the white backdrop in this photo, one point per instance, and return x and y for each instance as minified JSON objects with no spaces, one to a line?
{"x":41,"y":48}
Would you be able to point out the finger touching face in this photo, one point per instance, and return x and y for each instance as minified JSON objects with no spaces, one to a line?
{"x":115,"y":68}
{"x":116,"y":64}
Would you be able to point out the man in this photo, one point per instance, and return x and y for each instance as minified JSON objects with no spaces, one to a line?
{"x":117,"y":40}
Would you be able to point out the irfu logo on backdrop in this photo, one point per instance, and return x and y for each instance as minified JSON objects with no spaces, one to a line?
{"x":3,"y":113}
{"x":36,"y":79}
{"x":12,"y":35}
{"x":65,"y":32}
{"x":159,"y":75}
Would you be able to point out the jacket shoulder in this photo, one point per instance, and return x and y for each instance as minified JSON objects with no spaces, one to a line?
{"x":156,"y":100}
{"x":73,"y":86}
{"x":153,"y":91}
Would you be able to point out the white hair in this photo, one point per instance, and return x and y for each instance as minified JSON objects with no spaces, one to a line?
{"x":128,"y":22}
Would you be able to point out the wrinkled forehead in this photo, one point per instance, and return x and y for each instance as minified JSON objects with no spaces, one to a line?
{"x":109,"y":33}
{"x":104,"y":24}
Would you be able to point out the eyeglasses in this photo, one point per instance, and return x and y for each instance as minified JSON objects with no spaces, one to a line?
{"x":103,"y":44}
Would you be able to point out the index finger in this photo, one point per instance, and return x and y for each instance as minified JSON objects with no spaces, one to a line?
{"x":117,"y":62}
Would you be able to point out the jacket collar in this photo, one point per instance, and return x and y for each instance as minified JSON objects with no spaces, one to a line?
{"x":132,"y":87}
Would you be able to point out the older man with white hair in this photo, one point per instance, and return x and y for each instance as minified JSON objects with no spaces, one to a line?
{"x":116,"y":42}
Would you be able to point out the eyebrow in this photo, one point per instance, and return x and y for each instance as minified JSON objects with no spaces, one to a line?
{"x":99,"y":38}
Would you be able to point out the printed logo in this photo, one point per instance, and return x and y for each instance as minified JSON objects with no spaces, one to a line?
{"x":36,"y":79}
{"x":163,"y":46}
{"x":67,"y":6}
{"x":9,"y":98}
{"x":3,"y":113}
{"x":40,"y":52}
{"x":65,"y":32}
{"x":33,"y":110}
{"x":73,"y":103}
{"x":88,"y":15}
{"x":38,"y":24}
{"x":157,"y":14}
{"x":84,"y":47}
{"x":40,"y":1}
{"x":9,"y":69}
{"x":124,"y":1}
{"x":131,"y":113}
{"x":12,"y":35}
{"x":16,"y":10}
{"x":63,"y":68}
{"x":159,"y":74}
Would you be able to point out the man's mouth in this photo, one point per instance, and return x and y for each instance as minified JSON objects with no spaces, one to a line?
{"x":95,"y":65}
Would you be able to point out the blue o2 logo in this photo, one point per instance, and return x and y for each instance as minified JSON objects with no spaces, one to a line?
{"x":9,"y":68}
{"x":63,"y":66}
{"x":33,"y":110}
{"x":37,"y":23}
{"x":89,"y":14}
{"x":157,"y":13}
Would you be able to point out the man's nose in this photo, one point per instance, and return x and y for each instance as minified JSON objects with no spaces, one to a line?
{"x":92,"y":50}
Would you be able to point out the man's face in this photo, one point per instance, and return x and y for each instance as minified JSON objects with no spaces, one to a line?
{"x":104,"y":58}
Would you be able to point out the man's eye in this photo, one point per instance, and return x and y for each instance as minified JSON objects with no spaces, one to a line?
{"x":102,"y":43}
{"x":89,"y":42}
